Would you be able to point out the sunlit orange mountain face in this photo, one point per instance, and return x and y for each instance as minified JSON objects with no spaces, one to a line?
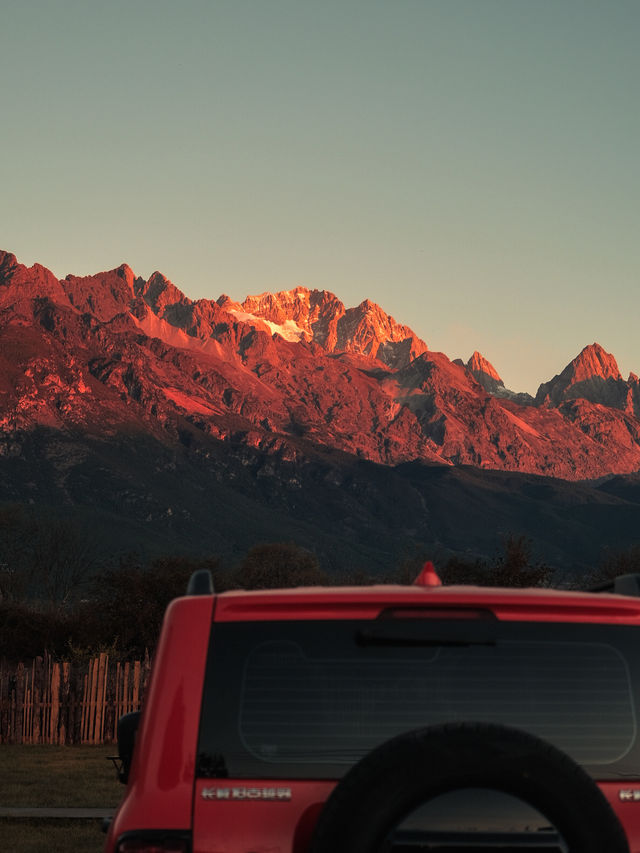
{"x":289,"y":416}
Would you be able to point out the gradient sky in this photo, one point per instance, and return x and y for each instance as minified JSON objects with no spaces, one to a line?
{"x":470,"y":165}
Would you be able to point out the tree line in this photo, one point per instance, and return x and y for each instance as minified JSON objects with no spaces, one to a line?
{"x":56,"y":595}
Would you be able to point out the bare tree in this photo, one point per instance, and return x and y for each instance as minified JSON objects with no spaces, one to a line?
{"x":279,"y":564}
{"x":14,"y":544}
{"x":42,"y":557}
{"x":62,"y":560}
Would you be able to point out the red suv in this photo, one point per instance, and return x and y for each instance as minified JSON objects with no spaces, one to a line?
{"x":388,"y":718}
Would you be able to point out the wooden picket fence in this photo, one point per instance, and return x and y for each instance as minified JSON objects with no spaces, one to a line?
{"x":61,"y":702}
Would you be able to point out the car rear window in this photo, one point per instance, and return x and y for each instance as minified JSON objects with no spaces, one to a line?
{"x":308,"y":699}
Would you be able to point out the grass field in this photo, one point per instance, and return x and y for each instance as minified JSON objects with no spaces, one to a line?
{"x":56,"y":776}
{"x":35,"y":835}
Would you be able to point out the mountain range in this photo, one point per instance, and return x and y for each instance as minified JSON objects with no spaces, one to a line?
{"x":213,"y":424}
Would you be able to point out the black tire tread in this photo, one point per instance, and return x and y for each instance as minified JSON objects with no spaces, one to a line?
{"x":416,"y":766}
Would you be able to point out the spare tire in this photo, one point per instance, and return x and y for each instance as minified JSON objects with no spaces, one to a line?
{"x":400,"y":775}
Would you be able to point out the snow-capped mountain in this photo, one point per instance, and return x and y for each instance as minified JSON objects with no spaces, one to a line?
{"x":214,"y":424}
{"x":288,"y":371}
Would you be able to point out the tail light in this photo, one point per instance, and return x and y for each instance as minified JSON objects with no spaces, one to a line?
{"x":428,"y":576}
{"x":155,"y":841}
{"x":444,"y":613}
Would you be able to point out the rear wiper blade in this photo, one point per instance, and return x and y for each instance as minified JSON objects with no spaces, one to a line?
{"x":425,"y":634}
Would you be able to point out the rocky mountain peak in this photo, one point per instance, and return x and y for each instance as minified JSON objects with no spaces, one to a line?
{"x":594,"y":362}
{"x":226,"y":303}
{"x":125,"y":272}
{"x":319,"y":315}
{"x":282,"y":307}
{"x":484,"y":372}
{"x":105,"y":294}
{"x":370,"y":331}
{"x":479,"y":363}
{"x":114,"y":349}
{"x":160,"y":294}
{"x":592,"y":375}
{"x":8,"y":264}
{"x":24,"y":284}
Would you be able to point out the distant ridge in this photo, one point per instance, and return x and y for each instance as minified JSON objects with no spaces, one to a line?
{"x":205,"y":426}
{"x":289,"y":372}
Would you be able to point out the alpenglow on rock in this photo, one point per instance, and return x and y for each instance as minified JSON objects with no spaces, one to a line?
{"x":290,"y":374}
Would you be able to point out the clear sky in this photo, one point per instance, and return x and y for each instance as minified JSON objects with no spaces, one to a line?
{"x":470,"y":165}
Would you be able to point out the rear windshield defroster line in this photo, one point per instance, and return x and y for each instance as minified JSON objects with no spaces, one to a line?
{"x":313,"y":695}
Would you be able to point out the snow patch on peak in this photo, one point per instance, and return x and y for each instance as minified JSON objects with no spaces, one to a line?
{"x":289,"y":330}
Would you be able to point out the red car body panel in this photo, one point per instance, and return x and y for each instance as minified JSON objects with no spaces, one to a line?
{"x":628,"y":810}
{"x":280,"y":827}
{"x":162,"y":791}
{"x":367,"y":603}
